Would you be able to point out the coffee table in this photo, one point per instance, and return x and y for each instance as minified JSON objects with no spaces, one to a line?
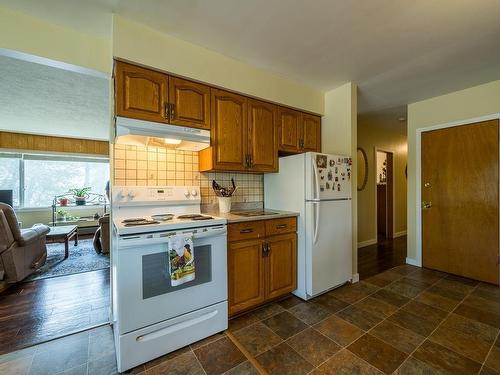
{"x":63,"y":234}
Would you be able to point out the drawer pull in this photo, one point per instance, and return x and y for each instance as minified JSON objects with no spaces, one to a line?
{"x":281,"y":226}
{"x":248,"y":230}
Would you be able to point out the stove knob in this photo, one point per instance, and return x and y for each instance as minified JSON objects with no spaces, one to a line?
{"x":187,"y":193}
{"x":120,"y":196}
{"x":131,"y":195}
{"x":194,"y":193}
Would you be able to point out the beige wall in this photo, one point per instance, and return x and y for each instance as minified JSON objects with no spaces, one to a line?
{"x":339,"y":136}
{"x":141,"y":44}
{"x":461,"y":105}
{"x":23,"y":33}
{"x":383,"y":131}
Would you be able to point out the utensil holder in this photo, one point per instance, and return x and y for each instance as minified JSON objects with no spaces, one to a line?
{"x":224,"y":204}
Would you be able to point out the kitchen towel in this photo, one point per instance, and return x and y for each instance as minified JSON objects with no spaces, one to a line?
{"x":181,"y":258}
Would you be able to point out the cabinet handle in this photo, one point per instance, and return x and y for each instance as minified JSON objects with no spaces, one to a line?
{"x":167,"y":111}
{"x":301,"y":143}
{"x":248,"y":230}
{"x":250,"y":160}
{"x":265,"y":249}
{"x":281,"y":226}
{"x":172,"y":111}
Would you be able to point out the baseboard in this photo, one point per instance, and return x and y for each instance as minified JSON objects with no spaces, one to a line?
{"x":400,"y":234}
{"x":367,"y":243}
{"x":355,"y":278}
{"x":413,"y":262}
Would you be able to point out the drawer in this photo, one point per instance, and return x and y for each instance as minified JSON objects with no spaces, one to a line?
{"x":246,"y":230}
{"x":279,"y":226}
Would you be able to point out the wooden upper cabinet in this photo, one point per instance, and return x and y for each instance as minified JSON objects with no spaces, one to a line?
{"x":310,"y":133}
{"x":289,"y":127}
{"x":189,"y":103}
{"x":229,"y":130}
{"x":262,"y":142}
{"x":140,"y":93}
{"x":282,"y":265}
{"x":246,"y":275}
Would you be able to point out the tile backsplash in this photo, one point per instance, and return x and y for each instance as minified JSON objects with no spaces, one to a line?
{"x":156,"y":166}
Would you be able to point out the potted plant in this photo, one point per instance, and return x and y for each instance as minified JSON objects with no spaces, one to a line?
{"x":61,"y":214}
{"x":80,"y":195}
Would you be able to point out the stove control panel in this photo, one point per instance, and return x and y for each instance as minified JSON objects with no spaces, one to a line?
{"x":151,"y":194}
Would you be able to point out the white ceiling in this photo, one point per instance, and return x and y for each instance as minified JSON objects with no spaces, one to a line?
{"x":398,"y":51}
{"x":40,"y":99}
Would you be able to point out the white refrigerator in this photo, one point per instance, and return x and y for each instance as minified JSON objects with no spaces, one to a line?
{"x":318,"y":186}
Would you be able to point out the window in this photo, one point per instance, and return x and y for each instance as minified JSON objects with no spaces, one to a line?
{"x":44,"y":176}
{"x":10,"y":175}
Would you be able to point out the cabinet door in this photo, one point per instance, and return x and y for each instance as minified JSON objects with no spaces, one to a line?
{"x":140,"y":93}
{"x":289,"y":125}
{"x":262,"y":143}
{"x":281,"y":265}
{"x":311,"y":133}
{"x":190,"y":103}
{"x":229,"y":130}
{"x":246,"y":275}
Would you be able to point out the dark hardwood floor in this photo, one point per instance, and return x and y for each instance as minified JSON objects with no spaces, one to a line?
{"x":387,"y":253}
{"x":41,"y":310}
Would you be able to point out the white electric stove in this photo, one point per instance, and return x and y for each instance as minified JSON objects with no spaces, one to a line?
{"x":150,"y":316}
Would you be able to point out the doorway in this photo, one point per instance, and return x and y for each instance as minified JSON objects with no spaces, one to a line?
{"x":384,"y":194}
{"x":460,"y":200}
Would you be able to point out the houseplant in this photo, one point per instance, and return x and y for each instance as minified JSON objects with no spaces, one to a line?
{"x":80,"y":195}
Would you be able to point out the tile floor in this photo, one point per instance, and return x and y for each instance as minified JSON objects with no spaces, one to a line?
{"x":405,"y":320}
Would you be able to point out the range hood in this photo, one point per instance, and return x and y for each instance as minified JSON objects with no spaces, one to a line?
{"x":139,"y":132}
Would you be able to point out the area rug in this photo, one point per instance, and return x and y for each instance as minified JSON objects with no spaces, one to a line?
{"x":82,"y":258}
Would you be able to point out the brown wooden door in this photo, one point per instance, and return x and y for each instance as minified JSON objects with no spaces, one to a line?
{"x":190,"y":103}
{"x":282,"y":265}
{"x":229,"y":130}
{"x":310,"y":133}
{"x":140,"y":93}
{"x":262,"y":144}
{"x":460,"y":200}
{"x":289,"y":128}
{"x":246,"y":275}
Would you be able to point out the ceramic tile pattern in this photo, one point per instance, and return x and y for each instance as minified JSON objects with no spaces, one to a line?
{"x":155,"y":166}
{"x":415,"y":321}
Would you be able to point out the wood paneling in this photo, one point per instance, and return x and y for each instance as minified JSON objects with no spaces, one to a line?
{"x":289,"y":128}
{"x":311,"y":133}
{"x":140,"y":93}
{"x":460,"y":228}
{"x":190,"y":103}
{"x":262,"y":142}
{"x":246,"y":275}
{"x":281,"y":265}
{"x":30,"y":142}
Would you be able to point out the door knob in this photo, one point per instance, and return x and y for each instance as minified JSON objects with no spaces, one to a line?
{"x":427,"y":185}
{"x":426,"y":205}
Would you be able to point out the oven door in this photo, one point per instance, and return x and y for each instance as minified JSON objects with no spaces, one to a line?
{"x":143,"y":288}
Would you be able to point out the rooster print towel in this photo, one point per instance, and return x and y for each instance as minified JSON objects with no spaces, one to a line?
{"x":181,"y":259}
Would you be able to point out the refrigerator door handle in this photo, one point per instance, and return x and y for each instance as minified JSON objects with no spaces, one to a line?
{"x":316,"y":221}
{"x":316,"y":177}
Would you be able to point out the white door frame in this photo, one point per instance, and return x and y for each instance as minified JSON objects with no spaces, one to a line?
{"x":418,"y":173}
{"x":386,"y":150}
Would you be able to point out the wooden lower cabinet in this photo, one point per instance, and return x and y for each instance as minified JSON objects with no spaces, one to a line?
{"x":281,"y":265}
{"x":246,"y":267}
{"x":260,"y":269}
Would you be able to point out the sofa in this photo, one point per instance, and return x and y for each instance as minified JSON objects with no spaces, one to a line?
{"x":22,"y":251}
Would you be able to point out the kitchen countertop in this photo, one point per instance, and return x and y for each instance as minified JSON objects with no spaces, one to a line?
{"x":232,"y":218}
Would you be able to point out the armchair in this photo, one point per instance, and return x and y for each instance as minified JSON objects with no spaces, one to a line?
{"x":21,"y":251}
